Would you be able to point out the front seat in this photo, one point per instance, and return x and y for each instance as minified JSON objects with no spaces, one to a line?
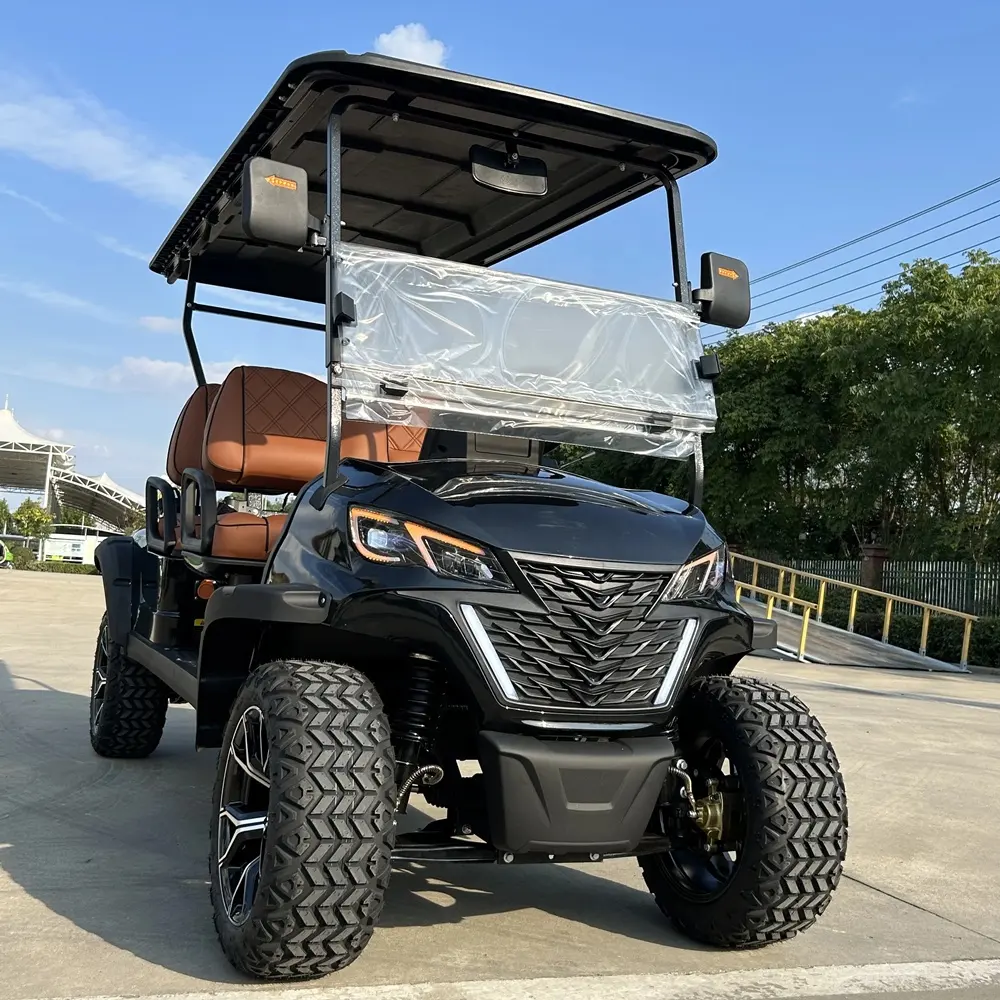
{"x":266,"y":430}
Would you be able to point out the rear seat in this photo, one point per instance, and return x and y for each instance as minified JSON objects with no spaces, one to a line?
{"x":266,"y":430}
{"x":188,"y":437}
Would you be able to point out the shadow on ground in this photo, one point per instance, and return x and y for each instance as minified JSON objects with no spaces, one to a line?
{"x":119,"y":848}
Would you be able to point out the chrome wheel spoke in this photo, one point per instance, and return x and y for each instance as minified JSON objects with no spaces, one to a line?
{"x":237,"y":827}
{"x":244,"y":892}
{"x":99,"y":683}
{"x":242,"y":823}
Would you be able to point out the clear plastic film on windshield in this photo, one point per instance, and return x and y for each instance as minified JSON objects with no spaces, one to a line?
{"x":459,"y":347}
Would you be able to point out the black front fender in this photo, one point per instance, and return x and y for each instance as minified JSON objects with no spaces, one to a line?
{"x":126,"y":570}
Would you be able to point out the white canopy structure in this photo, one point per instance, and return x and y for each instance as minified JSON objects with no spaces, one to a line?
{"x":101,"y":497}
{"x":28,"y":461}
{"x":32,"y":464}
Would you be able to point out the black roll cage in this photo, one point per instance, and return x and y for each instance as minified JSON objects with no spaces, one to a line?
{"x":339,"y":309}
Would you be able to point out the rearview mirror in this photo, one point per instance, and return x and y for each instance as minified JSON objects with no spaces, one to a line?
{"x":509,"y":172}
{"x":275,"y":202}
{"x":724,"y":295}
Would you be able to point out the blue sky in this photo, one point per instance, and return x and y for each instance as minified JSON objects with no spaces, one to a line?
{"x":830,"y":120}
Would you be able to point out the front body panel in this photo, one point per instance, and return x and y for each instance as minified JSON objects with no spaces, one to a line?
{"x":588,"y":562}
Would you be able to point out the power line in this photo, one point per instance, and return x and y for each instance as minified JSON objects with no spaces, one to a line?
{"x":875,"y":263}
{"x":880,"y":230}
{"x":887,"y":246}
{"x":867,"y":284}
{"x":871,"y":295}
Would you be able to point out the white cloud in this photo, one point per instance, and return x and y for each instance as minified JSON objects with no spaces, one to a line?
{"x":412,"y":42}
{"x":161,"y":324}
{"x":265,"y":303}
{"x":58,"y":300}
{"x":77,"y":133}
{"x":131,"y":374}
{"x":82,"y":441}
{"x":144,"y":373}
{"x":116,"y":246}
{"x":37,"y":205}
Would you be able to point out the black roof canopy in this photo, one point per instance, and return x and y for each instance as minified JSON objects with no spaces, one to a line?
{"x":405,"y":181}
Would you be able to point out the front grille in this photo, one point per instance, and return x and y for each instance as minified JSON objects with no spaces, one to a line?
{"x":594,"y":646}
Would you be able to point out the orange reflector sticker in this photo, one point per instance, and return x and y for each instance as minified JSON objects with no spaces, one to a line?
{"x":282,"y":182}
{"x":728,"y":272}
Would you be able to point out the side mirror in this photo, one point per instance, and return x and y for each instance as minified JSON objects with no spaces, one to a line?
{"x":275,"y":202}
{"x":509,"y":172}
{"x":724,"y":295}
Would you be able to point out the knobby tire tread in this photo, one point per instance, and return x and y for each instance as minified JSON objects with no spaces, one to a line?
{"x":798,"y":819}
{"x":135,"y":706}
{"x":328,"y":846}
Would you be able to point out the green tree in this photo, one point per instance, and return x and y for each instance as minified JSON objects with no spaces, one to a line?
{"x":6,"y":518}
{"x":32,"y":520}
{"x":131,"y":521}
{"x":72,"y":515}
{"x":858,"y":426}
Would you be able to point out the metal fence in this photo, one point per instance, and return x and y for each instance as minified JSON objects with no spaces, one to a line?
{"x":973,"y":588}
{"x":752,"y":576}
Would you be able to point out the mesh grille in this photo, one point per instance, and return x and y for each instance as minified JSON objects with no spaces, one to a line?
{"x":594,"y":647}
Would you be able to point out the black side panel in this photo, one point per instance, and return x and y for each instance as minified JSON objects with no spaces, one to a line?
{"x":237,"y":620}
{"x":561,"y":797}
{"x":130,"y":574}
{"x":264,"y":602}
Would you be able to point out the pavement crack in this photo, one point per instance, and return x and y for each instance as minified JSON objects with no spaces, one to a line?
{"x":922,"y":909}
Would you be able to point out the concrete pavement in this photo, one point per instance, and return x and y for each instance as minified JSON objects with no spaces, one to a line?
{"x":103,"y":863}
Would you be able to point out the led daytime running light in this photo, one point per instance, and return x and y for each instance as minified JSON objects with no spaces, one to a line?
{"x":419,"y":534}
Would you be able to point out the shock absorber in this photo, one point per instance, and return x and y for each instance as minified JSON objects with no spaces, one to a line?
{"x":414,"y":729}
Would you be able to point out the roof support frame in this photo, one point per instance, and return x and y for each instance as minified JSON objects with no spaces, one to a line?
{"x":339,"y":315}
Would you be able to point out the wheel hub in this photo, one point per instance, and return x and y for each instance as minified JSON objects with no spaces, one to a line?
{"x":99,"y":682}
{"x":709,"y":814}
{"x":246,"y":788}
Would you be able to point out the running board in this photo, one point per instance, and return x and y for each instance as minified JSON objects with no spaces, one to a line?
{"x":177,"y":668}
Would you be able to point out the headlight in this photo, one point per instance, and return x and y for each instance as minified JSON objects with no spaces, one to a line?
{"x":382,"y":538}
{"x":698,"y":578}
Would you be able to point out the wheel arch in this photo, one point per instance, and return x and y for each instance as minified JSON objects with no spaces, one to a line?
{"x":244,"y":626}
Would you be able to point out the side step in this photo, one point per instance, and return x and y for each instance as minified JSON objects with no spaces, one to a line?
{"x":177,"y":668}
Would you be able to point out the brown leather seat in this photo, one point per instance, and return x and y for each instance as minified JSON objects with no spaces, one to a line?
{"x":244,"y":535}
{"x":189,"y":432}
{"x":266,"y":430}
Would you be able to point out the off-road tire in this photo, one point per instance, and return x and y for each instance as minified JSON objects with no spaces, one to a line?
{"x":796,"y":812}
{"x":128,"y":713}
{"x":326,"y":852}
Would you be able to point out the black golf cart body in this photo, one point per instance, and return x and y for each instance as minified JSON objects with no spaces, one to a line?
{"x":507,"y":611}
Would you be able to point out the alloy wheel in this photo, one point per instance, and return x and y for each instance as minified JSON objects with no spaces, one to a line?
{"x":246,"y":788}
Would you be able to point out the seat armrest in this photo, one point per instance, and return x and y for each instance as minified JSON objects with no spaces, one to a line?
{"x":198,"y":500}
{"x":161,"y":504}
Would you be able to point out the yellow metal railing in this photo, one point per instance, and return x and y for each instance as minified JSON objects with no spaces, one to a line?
{"x":808,"y":608}
{"x":793,"y":576}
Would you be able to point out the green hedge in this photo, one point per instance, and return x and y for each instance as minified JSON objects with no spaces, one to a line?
{"x":76,"y":569}
{"x":24,"y":558}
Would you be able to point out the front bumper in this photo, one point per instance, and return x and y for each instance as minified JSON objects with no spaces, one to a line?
{"x":532,"y":691}
{"x":561,"y":797}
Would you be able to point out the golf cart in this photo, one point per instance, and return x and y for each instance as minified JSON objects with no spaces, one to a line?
{"x":442,"y":611}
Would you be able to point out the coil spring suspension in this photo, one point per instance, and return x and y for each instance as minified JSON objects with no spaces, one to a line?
{"x":414,"y":729}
